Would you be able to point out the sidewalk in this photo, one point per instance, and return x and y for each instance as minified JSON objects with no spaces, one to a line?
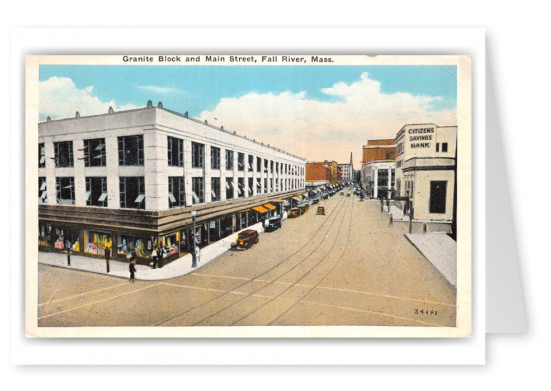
{"x":440,"y":250}
{"x":176,"y":268}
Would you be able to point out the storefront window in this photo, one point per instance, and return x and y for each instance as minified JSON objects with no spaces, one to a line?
{"x":170,"y":244}
{"x":97,"y":242}
{"x":128,"y":245}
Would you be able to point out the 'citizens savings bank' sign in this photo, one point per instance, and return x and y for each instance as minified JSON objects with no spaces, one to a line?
{"x":420,"y":137}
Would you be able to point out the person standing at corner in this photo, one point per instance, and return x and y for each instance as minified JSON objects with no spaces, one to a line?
{"x":107,"y":257}
{"x":132,"y":268}
{"x":155,"y":258}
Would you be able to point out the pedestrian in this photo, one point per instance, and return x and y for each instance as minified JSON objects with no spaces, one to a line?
{"x":132,"y":268}
{"x":160,"y":256}
{"x":68,"y":253}
{"x":107,"y":258}
{"x":391,"y":219}
{"x":155,"y":258}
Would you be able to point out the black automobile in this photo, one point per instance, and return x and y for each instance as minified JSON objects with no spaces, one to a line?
{"x":245,"y":240}
{"x":273,"y":224}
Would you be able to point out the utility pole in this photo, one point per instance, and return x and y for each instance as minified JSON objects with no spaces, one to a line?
{"x":194,"y":253}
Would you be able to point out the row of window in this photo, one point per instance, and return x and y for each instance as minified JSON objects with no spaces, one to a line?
{"x":131,"y":153}
{"x":132,"y":190}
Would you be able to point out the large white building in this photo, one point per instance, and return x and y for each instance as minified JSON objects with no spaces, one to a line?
{"x":379,"y":178}
{"x":130,"y":180}
{"x":425,"y":170}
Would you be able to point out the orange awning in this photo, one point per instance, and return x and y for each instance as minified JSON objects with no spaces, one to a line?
{"x":260,"y":209}
{"x":269,"y":206}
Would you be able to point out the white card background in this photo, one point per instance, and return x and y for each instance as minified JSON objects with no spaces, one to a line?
{"x":254,"y":352}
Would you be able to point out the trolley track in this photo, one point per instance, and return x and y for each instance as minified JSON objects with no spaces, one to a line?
{"x":305,"y":274}
{"x":333,"y":213}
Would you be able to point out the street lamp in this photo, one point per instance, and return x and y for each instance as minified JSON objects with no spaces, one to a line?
{"x":194,"y":254}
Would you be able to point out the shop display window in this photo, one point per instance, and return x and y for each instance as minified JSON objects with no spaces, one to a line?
{"x":140,"y":247}
{"x":97,"y":242}
{"x":170,"y":244}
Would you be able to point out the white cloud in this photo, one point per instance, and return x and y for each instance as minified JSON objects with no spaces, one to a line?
{"x":162,"y":90}
{"x":332,"y":129}
{"x":60,"y":98}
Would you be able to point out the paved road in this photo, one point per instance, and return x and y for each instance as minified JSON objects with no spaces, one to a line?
{"x":348,"y":267}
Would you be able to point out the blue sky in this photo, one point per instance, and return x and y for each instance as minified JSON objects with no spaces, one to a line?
{"x":199,"y":88}
{"x":286,"y":106}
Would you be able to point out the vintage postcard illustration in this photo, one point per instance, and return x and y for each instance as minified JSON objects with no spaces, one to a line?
{"x":248,"y":196}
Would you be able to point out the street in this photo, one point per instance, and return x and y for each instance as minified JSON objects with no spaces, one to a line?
{"x":348,"y":267}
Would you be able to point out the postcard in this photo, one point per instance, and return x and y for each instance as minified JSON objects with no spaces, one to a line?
{"x":274,"y":196}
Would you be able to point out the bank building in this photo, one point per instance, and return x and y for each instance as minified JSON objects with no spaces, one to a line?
{"x":426,"y":171}
{"x":136,"y":180}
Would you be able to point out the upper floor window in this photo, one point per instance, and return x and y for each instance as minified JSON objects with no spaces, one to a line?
{"x":241,"y":187}
{"x":215,"y":189}
{"x":229,"y":160}
{"x":265,"y":166}
{"x":175,"y":150}
{"x":258,"y":164}
{"x":96,"y":191}
{"x":42,"y":190}
{"x":241,"y":161}
{"x":65,"y":190}
{"x":229,"y":188}
{"x":198,"y":190}
{"x":271,"y":166}
{"x":64,"y":154}
{"x":444,"y":147}
{"x":94,"y":152}
{"x":41,"y":155}
{"x":277,"y":167}
{"x":250,"y":187}
{"x":132,"y":192}
{"x":176,"y":191}
{"x":131,"y":151}
{"x":215,"y":158}
{"x":197,"y":155}
{"x":251,"y":163}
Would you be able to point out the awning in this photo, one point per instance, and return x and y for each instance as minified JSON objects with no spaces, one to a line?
{"x":260,"y":209}
{"x":297,"y":198}
{"x":269,"y":207}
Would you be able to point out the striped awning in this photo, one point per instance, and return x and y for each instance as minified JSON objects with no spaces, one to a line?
{"x":269,"y":207}
{"x":260,"y":209}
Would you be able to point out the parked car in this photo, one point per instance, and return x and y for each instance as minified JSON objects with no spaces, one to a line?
{"x":315,"y":200}
{"x":245,"y":240}
{"x":295,"y":212}
{"x":273,"y":224}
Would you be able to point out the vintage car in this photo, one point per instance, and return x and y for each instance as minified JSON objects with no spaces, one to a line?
{"x":245,"y":240}
{"x":303,"y":208}
{"x":315,"y":200}
{"x":273,"y":224}
{"x":295,"y":212}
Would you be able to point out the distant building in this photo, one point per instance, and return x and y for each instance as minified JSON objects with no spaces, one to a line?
{"x":317,"y":172}
{"x":378,"y":168}
{"x":334,"y":171}
{"x":425,"y":170}
{"x":130,"y":180}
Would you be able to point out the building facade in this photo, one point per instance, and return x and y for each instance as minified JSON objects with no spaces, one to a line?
{"x":425,"y":170}
{"x":317,"y":172}
{"x":334,"y":171}
{"x":378,"y":155}
{"x":380,"y":179}
{"x":130,"y":180}
{"x":347,"y":173}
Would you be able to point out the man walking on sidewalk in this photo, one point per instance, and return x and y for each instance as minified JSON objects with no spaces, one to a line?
{"x":132,"y":268}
